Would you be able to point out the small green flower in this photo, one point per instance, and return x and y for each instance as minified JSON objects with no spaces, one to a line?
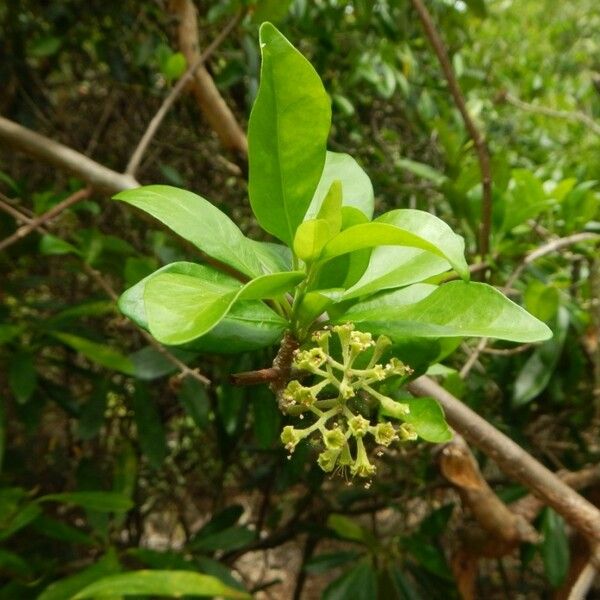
{"x":384,"y":433}
{"x":310,"y":360}
{"x":327,"y":459}
{"x":296,"y":393}
{"x":397,"y":367}
{"x":377,"y":372}
{"x":381,"y":345}
{"x":346,"y":390}
{"x":359,"y":426}
{"x":334,"y":439}
{"x":360,"y":341}
{"x":407,"y":432}
{"x":290,"y":437}
{"x":322,"y":337}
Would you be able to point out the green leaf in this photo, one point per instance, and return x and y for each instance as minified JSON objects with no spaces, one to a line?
{"x":172,"y":584}
{"x":198,"y":221}
{"x":455,"y":309}
{"x":537,"y":371}
{"x":50,"y":245}
{"x":311,"y":237}
{"x":422,"y":170}
{"x":150,"y":430}
{"x":9,"y":332}
{"x":99,"y":353}
{"x":22,"y":376}
{"x":555,"y":547}
{"x":228,"y":539}
{"x":182,"y":308}
{"x":152,"y":364}
{"x":65,"y":589}
{"x":357,"y":190}
{"x":359,"y":583}
{"x":249,"y":325}
{"x":427,"y":417}
{"x":23,"y":517}
{"x":98,"y":501}
{"x":403,"y":227}
{"x":287,"y":136}
{"x":392,"y":266}
{"x":321,"y":563}
{"x":267,"y":417}
{"x":347,"y":528}
{"x":2,"y":434}
{"x":541,"y":300}
{"x":58,"y":530}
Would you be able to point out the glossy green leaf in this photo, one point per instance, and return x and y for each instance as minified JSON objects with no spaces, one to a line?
{"x":357,"y":190}
{"x":98,"y":501}
{"x":249,"y":325}
{"x":427,"y":417}
{"x":98,"y":353}
{"x":171,"y":584}
{"x":394,"y":266}
{"x":538,"y":369}
{"x":150,"y":363}
{"x":231,"y":538}
{"x":65,"y":589}
{"x":321,"y":563}
{"x":331,"y":207}
{"x":9,"y":332}
{"x":195,"y":400}
{"x":198,"y":221}
{"x":455,"y":309}
{"x":287,"y":136}
{"x":359,"y":583}
{"x":58,"y":530}
{"x":554,"y":547}
{"x":403,"y":227}
{"x":182,"y":308}
{"x":21,"y":518}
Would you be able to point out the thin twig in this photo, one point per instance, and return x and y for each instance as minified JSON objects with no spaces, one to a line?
{"x":548,"y":248}
{"x":567,"y":115}
{"x":48,"y":151}
{"x":138,"y":153}
{"x":480,"y":146}
{"x":33,"y":224}
{"x":584,"y":582}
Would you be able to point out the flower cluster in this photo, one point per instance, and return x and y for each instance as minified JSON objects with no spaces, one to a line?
{"x":335,"y":397}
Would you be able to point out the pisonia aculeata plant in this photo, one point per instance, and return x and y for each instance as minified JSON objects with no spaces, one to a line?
{"x":351,"y":296}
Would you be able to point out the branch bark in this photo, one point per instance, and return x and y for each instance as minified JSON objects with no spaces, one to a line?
{"x":211,"y":103}
{"x":185,"y":79}
{"x":478,"y":141}
{"x":62,"y":157}
{"x":513,"y":460}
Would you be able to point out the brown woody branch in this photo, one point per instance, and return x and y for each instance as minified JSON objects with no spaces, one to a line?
{"x":62,"y":157}
{"x":478,"y":141}
{"x":211,"y":103}
{"x":513,"y":460}
{"x":184,"y":80}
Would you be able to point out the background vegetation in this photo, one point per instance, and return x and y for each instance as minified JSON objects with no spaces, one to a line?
{"x":194,"y":477}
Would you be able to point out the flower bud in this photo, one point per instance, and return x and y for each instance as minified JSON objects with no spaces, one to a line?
{"x":362,"y":467}
{"x":310,"y":360}
{"x":360,"y":341}
{"x":296,"y":393}
{"x":290,"y":437}
{"x":346,"y":390}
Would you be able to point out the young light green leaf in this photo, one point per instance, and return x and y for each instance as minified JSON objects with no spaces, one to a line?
{"x":310,"y":239}
{"x":427,"y":417}
{"x":172,"y":584}
{"x":99,"y":353}
{"x":357,"y":190}
{"x":403,"y":227}
{"x":395,"y":266}
{"x":287,"y":136}
{"x":249,"y":325}
{"x":455,"y":309}
{"x":198,"y":221}
{"x":181,"y":308}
